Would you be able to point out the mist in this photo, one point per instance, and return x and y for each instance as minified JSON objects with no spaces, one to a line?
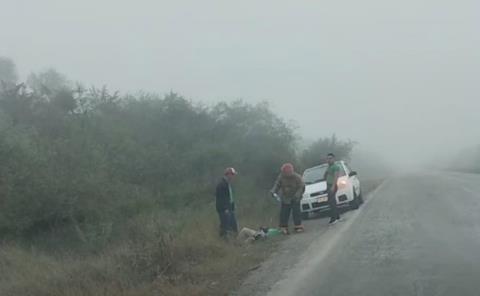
{"x":399,"y":78}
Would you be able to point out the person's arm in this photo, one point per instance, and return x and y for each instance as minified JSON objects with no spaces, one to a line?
{"x":335,"y":180}
{"x":301,"y":188}
{"x":277,"y":185}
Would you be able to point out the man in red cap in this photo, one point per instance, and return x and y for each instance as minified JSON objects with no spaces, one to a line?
{"x":290,"y":186}
{"x":225,"y":203}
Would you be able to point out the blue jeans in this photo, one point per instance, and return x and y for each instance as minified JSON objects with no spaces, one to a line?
{"x":228,"y":222}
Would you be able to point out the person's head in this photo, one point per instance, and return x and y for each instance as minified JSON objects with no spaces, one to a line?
{"x":330,"y":158}
{"x":230,"y":174}
{"x":287,"y":169}
{"x":262,"y":232}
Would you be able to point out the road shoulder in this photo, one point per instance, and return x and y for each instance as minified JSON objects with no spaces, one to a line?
{"x":296,"y":248}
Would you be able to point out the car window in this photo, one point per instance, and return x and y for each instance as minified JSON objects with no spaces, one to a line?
{"x":314,"y":175}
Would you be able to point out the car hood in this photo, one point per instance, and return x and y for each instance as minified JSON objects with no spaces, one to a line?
{"x":313,"y":188}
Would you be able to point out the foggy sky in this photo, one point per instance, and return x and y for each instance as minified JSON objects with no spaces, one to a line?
{"x":400,"y":77}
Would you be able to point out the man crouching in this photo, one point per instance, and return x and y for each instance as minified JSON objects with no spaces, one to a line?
{"x":290,"y":186}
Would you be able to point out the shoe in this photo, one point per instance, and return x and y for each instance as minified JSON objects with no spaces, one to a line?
{"x":299,"y":229}
{"x":284,"y":230}
{"x":333,"y":221}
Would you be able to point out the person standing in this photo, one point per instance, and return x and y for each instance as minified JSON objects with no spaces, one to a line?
{"x":225,"y":204}
{"x":290,"y":186}
{"x":331,"y":176}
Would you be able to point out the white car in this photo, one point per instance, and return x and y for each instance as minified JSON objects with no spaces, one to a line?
{"x":315,"y":197}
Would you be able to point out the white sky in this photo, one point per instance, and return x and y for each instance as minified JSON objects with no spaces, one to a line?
{"x":400,"y":77}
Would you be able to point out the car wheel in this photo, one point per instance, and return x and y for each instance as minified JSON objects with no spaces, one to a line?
{"x":355,"y":203}
{"x":305,"y":216}
{"x":360,"y":198}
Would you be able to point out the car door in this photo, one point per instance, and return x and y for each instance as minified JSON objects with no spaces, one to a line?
{"x":354,"y":179}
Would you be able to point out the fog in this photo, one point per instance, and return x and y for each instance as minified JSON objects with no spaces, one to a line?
{"x":401,"y":78}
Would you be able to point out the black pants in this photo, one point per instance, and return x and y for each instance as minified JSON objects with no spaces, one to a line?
{"x":228,"y":222}
{"x":285,"y":210}
{"x":332,"y":202}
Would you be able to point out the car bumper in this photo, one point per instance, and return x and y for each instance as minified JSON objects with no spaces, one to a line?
{"x":314,"y":204}
{"x":320,"y":203}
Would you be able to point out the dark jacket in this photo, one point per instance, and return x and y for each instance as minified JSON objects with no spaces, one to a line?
{"x":222,"y":194}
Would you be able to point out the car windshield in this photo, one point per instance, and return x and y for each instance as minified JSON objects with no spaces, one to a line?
{"x":314,"y":175}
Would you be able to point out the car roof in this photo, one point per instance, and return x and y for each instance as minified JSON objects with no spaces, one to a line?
{"x":322,"y":165}
{"x":316,"y":167}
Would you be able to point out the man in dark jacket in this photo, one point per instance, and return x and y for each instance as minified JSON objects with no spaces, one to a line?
{"x":290,"y":186}
{"x":225,"y":203}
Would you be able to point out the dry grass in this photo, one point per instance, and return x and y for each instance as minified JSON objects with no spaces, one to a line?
{"x":160,"y":254}
{"x":163,"y":254}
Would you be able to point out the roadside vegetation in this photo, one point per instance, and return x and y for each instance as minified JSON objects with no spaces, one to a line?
{"x":109,"y":194}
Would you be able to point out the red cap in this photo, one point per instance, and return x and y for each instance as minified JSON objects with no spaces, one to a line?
{"x":230,"y":171}
{"x":287,"y":168}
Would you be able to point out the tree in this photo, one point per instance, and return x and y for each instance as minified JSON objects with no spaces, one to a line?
{"x":316,"y":153}
{"x":48,"y":83}
{"x":8,"y":71}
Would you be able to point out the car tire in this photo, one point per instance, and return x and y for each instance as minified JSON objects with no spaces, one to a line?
{"x":305,"y":216}
{"x":355,"y":203}
{"x":360,"y":198}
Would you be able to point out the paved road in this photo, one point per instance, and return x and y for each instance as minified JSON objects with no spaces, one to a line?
{"x":416,"y":235}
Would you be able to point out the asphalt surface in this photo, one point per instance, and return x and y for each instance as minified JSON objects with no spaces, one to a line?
{"x":416,"y":235}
